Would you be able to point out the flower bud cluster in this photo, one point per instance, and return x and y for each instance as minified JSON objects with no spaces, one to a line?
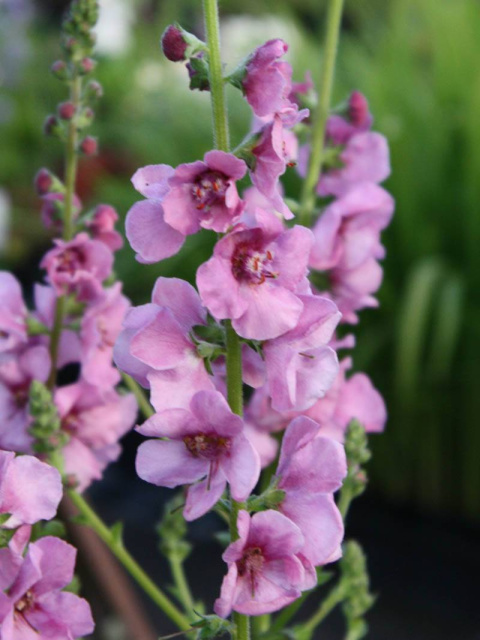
{"x":257,"y":282}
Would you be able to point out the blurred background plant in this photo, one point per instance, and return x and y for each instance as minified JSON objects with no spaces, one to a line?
{"x":415,"y":60}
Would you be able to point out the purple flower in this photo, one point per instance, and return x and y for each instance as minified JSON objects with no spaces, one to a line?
{"x":102,"y":227}
{"x":78,"y":266}
{"x":365,"y":158}
{"x":30,"y":490}
{"x":265,"y":568}
{"x":13,"y":313}
{"x":32,"y":603}
{"x":16,"y":374}
{"x":268,"y":81}
{"x":181,"y":201}
{"x":206,"y":445}
{"x":348,"y":399}
{"x":94,"y":421}
{"x":101,"y":326}
{"x":252,"y":278}
{"x":310,"y":469}
{"x":53,"y":205}
{"x":156,"y":349}
{"x":300,"y":364}
{"x":347,"y":243}
{"x":277,"y":148}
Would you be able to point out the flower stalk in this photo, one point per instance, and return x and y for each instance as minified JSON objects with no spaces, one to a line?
{"x":332,"y":31}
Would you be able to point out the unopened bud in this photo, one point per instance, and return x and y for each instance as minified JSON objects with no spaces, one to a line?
{"x":87,"y":65}
{"x":51,"y":126}
{"x":358,"y":112}
{"x":89,"y":146}
{"x":43,"y":182}
{"x":66,"y":110}
{"x":174,"y":44}
{"x":94,"y":90}
{"x":60,"y":69}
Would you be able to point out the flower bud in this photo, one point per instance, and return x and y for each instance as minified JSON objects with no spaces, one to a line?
{"x":60,"y":69}
{"x":93,"y":90}
{"x":51,"y":126}
{"x":43,"y":182}
{"x":89,"y":146}
{"x":66,"y":110}
{"x":358,"y":112}
{"x":174,"y":45}
{"x":87,"y":65}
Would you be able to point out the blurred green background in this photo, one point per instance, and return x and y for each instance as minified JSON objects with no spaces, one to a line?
{"x":418,"y":63}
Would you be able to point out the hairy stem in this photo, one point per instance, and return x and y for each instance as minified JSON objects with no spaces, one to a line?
{"x":307,"y":201}
{"x":335,"y":596}
{"x":180,"y":580}
{"x":234,"y":357}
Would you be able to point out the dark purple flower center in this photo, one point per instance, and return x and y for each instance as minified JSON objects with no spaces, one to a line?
{"x":250,"y":565}
{"x":252,"y":265}
{"x":209,"y":188}
{"x":70,"y":260}
{"x":71,"y":422}
{"x":207,"y":446}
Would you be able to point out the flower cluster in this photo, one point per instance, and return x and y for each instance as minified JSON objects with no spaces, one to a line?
{"x":257,"y":285}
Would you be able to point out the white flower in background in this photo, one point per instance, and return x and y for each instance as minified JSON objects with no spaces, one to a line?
{"x":114,"y":27}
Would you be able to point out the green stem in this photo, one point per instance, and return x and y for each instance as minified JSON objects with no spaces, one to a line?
{"x":234,"y":370}
{"x":344,"y":501}
{"x":217,"y":88}
{"x":260,"y":625}
{"x":183,"y":589}
{"x":281,"y":621}
{"x":307,"y":201}
{"x":142,"y":400}
{"x":117,"y":548}
{"x":68,"y":226}
{"x":335,"y":596}
{"x":234,"y":355}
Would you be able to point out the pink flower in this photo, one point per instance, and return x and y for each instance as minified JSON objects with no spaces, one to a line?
{"x":16,"y":374}
{"x":13,"y":313}
{"x":300,"y":364}
{"x":252,"y":278}
{"x":310,"y":469}
{"x":101,"y":326}
{"x":277,"y":148}
{"x":53,"y":209}
{"x":78,"y":266}
{"x":181,"y":201}
{"x":348,"y":232}
{"x":32,"y":603}
{"x":348,"y":399}
{"x":359,"y":119}
{"x":102,"y":227}
{"x":347,"y":242}
{"x":69,"y":350}
{"x":94,"y":422}
{"x":30,"y":490}
{"x":365,"y":158}
{"x":265,"y":569}
{"x":268,"y":81}
{"x":156,"y":349}
{"x":206,"y":446}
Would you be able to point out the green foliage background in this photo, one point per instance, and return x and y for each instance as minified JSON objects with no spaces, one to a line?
{"x":418,"y":63}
